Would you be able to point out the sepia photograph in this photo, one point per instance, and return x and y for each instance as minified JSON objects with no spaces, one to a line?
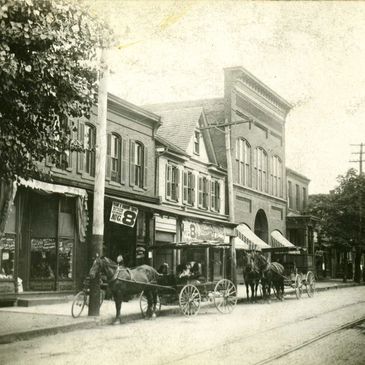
{"x":182,"y":182}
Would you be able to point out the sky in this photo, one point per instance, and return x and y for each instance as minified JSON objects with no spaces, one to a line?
{"x":310,"y":53}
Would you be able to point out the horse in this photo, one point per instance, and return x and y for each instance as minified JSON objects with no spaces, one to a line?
{"x":271,"y":276}
{"x":251,"y":274}
{"x":123,"y":291}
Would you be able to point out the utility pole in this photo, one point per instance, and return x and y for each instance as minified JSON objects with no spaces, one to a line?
{"x":99,"y":187}
{"x":226,"y":129}
{"x":357,"y":275}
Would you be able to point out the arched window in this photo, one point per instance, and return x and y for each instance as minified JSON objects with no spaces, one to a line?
{"x":243,"y":160}
{"x":261,"y":169}
{"x":276,"y":176}
{"x":89,"y":145}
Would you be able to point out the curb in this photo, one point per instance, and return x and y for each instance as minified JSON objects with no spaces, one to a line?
{"x":97,"y":321}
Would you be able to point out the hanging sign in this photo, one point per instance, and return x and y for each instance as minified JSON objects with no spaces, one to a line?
{"x":123,"y":214}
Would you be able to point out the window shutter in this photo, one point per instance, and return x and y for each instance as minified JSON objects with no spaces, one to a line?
{"x":207,"y":192}
{"x":132,"y":151}
{"x":177,"y":183}
{"x":81,"y":138}
{"x":167,"y":188}
{"x":218,"y":196}
{"x":193,"y":190}
{"x":185,"y":186}
{"x":123,"y":168}
{"x":108,"y":157}
{"x":145,"y":167}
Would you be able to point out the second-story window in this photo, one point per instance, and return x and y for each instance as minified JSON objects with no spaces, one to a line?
{"x":243,"y":158}
{"x":197,"y":142}
{"x":215,"y":195}
{"x":138,"y":164}
{"x":290,"y":195}
{"x":261,"y":169}
{"x":172,"y":182}
{"x":89,"y":145}
{"x":189,"y":188}
{"x":304,"y":198}
{"x":203,"y":191}
{"x":297,"y":197}
{"x":276,"y":176}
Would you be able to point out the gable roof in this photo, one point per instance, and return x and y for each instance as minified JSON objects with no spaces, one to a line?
{"x":180,"y":118}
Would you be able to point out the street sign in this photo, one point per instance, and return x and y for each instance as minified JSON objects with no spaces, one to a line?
{"x":123,"y":214}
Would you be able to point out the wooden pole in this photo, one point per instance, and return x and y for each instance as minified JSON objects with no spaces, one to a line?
{"x":230,"y":198}
{"x":99,"y":187}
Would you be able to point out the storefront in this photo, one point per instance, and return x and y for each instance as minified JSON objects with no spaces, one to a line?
{"x":42,"y":247}
{"x":183,"y":239}
{"x":127,"y":230}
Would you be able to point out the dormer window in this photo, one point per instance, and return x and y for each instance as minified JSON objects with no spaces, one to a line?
{"x":197,"y":142}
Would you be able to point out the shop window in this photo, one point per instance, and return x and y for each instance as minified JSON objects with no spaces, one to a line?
{"x":65,"y":258}
{"x":7,"y":252}
{"x":43,"y":258}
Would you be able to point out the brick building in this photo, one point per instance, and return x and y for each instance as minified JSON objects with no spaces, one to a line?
{"x":45,"y":237}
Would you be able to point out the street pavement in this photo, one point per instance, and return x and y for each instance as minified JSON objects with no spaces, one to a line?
{"x":22,"y":323}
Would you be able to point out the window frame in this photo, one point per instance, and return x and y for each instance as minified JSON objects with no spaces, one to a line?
{"x":89,"y":150}
{"x":261,"y":169}
{"x":197,"y":137}
{"x":172,"y":177}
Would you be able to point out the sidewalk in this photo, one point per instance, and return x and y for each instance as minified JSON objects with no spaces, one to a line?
{"x":22,"y":323}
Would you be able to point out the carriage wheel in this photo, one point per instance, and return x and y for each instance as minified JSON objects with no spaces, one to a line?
{"x":78,"y":304}
{"x":143,"y":304}
{"x":310,"y":284}
{"x":225,"y":296}
{"x":189,"y":300}
{"x":298,"y":286}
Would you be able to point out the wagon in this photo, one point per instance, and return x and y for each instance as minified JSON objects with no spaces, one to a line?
{"x":297,"y":271}
{"x":208,"y":284}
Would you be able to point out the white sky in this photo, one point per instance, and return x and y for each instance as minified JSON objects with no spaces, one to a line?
{"x":311,"y":53}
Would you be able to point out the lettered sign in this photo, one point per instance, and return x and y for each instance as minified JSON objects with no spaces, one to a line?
{"x":123,"y":214}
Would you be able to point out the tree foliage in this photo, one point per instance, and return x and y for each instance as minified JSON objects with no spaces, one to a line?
{"x":342,"y":214}
{"x":48,"y":74}
{"x":342,"y":210}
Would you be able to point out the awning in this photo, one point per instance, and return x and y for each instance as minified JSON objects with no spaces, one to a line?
{"x":53,"y":188}
{"x":239,"y":244}
{"x":70,"y":191}
{"x":250,"y":239}
{"x":279,"y":241}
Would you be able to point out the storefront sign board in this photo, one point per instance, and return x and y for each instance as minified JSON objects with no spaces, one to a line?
{"x":123,"y":214}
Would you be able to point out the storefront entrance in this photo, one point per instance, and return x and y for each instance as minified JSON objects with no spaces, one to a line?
{"x":47,"y":247}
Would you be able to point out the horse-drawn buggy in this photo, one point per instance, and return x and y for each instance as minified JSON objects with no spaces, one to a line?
{"x":198,"y":274}
{"x":298,"y":272}
{"x":287,"y":267}
{"x":201,"y":275}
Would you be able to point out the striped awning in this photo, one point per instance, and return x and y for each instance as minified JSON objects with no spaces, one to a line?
{"x":240,"y":244}
{"x":249,"y":238}
{"x":278,"y":240}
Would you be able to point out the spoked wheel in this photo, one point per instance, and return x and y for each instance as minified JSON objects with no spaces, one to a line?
{"x":310,"y":284}
{"x":189,"y":300}
{"x":143,"y":304}
{"x":225,"y":296}
{"x":78,"y":304}
{"x":298,"y":286}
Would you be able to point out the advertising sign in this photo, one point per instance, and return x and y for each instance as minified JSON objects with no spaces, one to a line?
{"x":123,"y":214}
{"x":195,"y":232}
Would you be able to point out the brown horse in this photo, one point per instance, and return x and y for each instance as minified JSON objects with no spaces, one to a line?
{"x":251,"y":274}
{"x":123,"y":291}
{"x":271,"y":276}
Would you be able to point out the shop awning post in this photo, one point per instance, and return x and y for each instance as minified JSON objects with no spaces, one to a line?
{"x":99,"y":187}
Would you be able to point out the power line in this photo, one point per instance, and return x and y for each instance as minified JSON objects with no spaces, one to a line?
{"x":360,"y":153}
